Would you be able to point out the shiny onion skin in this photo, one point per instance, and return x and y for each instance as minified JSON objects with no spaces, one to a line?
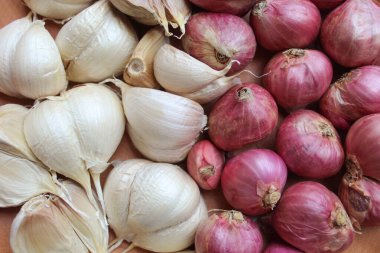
{"x":363,"y":146}
{"x":354,"y":95}
{"x":309,"y":145}
{"x":312,"y":218}
{"x":211,"y":38}
{"x":350,"y":34}
{"x":275,"y":247}
{"x":228,"y":232}
{"x":361,"y":198}
{"x":327,"y":4}
{"x":205,"y":164}
{"x":298,"y":77}
{"x":284,"y":24}
{"x":236,"y":7}
{"x":253,"y":181}
{"x":244,"y":114}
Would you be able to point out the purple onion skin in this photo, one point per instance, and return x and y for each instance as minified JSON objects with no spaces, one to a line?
{"x":309,"y":145}
{"x":236,"y":7}
{"x":221,"y":233}
{"x":312,"y":218}
{"x":280,"y":248}
{"x":327,"y":4}
{"x":350,"y":34}
{"x":354,"y":95}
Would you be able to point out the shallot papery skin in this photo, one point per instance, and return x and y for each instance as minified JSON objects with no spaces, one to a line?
{"x":228,"y":232}
{"x":253,"y":181}
{"x":298,"y":77}
{"x":354,"y":95}
{"x":236,"y":7}
{"x":284,"y":24}
{"x":205,"y":164}
{"x":211,"y":38}
{"x":309,"y":145}
{"x":350,"y":34}
{"x":245,"y":114}
{"x":276,"y":247}
{"x":312,"y":218}
{"x":327,"y":4}
{"x":361,"y":198}
{"x":363,"y":146}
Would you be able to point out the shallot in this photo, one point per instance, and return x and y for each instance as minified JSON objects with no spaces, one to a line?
{"x":236,"y":7}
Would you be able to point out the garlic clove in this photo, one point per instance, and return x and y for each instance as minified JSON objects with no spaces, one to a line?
{"x":57,"y":9}
{"x":41,"y":227}
{"x":179,"y":72}
{"x":21,"y":179}
{"x":139,"y":69}
{"x":180,"y":12}
{"x":141,"y":10}
{"x":96,"y":43}
{"x":86,"y":220}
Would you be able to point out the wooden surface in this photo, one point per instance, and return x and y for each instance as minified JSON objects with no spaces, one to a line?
{"x":367,"y":242}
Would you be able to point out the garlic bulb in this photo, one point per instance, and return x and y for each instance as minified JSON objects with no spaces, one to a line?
{"x":179,"y":72}
{"x":77,"y":131}
{"x":96,"y":43}
{"x":155,"y":206}
{"x":57,"y":9}
{"x":162,"y":126}
{"x":40,"y":226}
{"x":139,"y":70}
{"x":163,"y":12}
{"x":30,"y":63}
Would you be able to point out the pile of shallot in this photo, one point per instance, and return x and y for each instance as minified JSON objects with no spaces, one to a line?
{"x":190,"y":125}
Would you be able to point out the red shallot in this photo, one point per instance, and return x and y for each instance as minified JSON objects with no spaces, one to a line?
{"x":312,"y":218}
{"x":236,"y":7}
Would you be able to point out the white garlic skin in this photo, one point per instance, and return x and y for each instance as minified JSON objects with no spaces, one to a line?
{"x":57,"y":9}
{"x":96,"y":44}
{"x":155,"y":206}
{"x":30,"y":63}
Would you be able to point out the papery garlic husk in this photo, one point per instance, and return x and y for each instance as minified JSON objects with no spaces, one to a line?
{"x":88,"y":223}
{"x":139,"y":69}
{"x":213,"y":90}
{"x":30,"y":63}
{"x":96,"y":43}
{"x":77,"y":131}
{"x":163,"y":12}
{"x":179,"y":72}
{"x":162,"y":126}
{"x":57,"y":9}
{"x":41,"y":227}
{"x":155,"y":206}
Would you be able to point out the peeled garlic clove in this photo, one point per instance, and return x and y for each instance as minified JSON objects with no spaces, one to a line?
{"x":12,"y":139}
{"x":86,"y":220}
{"x":139,"y":69}
{"x":96,"y":43}
{"x":163,"y":207}
{"x":168,"y":122}
{"x":21,"y":179}
{"x":32,"y":64}
{"x":179,"y":72}
{"x":57,"y":9}
{"x":41,"y":227}
{"x":77,"y":131}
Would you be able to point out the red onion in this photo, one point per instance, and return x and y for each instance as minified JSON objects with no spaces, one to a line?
{"x":327,"y":4}
{"x":298,"y":77}
{"x":230,"y":232}
{"x":354,"y":95}
{"x":363,"y":147}
{"x":211,"y":38}
{"x":309,"y":145}
{"x":283,"y":24}
{"x":205,"y":163}
{"x":253,"y":181}
{"x":280,"y":248}
{"x":236,"y":7}
{"x":350,"y":34}
{"x":245,"y":114}
{"x":361,"y":198}
{"x":312,"y":218}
